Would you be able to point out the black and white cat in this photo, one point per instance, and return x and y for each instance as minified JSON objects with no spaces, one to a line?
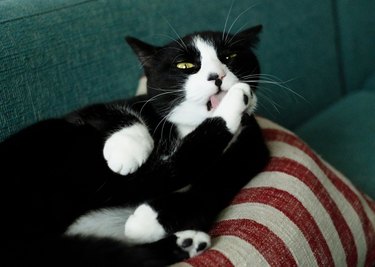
{"x":138,"y":182}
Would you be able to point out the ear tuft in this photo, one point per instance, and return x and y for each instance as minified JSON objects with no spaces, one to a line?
{"x":143,"y":50}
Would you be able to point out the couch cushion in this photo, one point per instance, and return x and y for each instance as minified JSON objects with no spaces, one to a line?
{"x":355,"y":24}
{"x":60,"y":55}
{"x":344,"y":135}
{"x":297,"y":212}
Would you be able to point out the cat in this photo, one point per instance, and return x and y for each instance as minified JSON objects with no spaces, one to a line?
{"x":138,"y":182}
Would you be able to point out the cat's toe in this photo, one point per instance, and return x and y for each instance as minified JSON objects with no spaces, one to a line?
{"x":126,"y":150}
{"x":249,"y":99}
{"x":193,"y":242}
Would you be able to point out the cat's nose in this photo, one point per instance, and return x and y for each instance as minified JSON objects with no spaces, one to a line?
{"x":215,"y":77}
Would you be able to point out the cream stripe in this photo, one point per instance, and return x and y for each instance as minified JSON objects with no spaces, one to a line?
{"x":280,"y":149}
{"x":309,"y":200}
{"x":267,"y":124}
{"x":180,"y":264}
{"x":239,"y":252}
{"x":279,"y":224}
{"x":370,"y":214}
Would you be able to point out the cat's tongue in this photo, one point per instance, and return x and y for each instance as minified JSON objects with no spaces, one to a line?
{"x":216,"y":99}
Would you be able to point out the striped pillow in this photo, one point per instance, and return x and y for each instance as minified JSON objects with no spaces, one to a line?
{"x":298,"y":212}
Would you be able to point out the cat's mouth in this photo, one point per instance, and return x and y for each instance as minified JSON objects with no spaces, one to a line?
{"x":215,"y":100}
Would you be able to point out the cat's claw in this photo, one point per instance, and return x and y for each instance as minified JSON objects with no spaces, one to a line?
{"x":193,"y":242}
{"x":127,"y":149}
{"x":238,"y":100}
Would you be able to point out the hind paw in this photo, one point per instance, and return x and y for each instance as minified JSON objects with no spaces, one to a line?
{"x":193,"y":242}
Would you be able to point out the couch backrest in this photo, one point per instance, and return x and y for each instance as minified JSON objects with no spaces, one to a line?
{"x":356,"y":32}
{"x":59,"y":55}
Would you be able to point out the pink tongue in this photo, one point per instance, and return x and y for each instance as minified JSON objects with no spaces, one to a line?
{"x":216,"y":99}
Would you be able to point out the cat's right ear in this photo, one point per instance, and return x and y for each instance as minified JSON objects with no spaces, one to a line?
{"x":143,"y":50}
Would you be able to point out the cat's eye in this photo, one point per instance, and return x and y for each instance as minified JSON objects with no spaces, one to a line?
{"x":185,"y":65}
{"x":231,"y":56}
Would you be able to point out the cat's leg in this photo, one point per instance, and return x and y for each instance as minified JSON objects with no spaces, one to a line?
{"x":201,"y":148}
{"x":127,"y":141}
{"x":128,"y":148}
{"x":206,"y":143}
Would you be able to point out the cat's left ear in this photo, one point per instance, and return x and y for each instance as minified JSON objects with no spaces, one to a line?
{"x":250,"y":36}
{"x":143,"y":50}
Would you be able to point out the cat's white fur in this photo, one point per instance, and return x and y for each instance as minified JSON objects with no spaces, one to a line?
{"x":193,"y":111}
{"x":102,"y":223}
{"x":128,"y":148}
{"x":197,"y":238}
{"x":143,"y":227}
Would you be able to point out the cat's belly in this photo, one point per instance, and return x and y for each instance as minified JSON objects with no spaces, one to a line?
{"x":108,"y":222}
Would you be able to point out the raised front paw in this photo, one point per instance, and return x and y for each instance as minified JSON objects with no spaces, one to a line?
{"x":193,"y":242}
{"x":127,"y":149}
{"x":238,"y":100}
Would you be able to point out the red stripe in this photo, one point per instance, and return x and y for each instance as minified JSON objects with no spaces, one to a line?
{"x":272,"y":248}
{"x":353,"y":199}
{"x":303,"y":174}
{"x":370,"y":202}
{"x":210,"y":258}
{"x":371,"y":259}
{"x":296,"y":212}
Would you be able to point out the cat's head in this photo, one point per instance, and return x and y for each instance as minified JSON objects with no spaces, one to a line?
{"x":183,"y":75}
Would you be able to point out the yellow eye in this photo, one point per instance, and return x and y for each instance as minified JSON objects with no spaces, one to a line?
{"x":231,"y":56}
{"x":185,"y":65}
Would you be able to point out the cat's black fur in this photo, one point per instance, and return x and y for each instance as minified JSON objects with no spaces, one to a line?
{"x":53,"y":172}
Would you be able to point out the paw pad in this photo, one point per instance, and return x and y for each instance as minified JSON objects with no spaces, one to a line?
{"x":193,"y":242}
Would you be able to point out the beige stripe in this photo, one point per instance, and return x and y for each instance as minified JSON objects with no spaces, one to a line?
{"x":239,"y":252}
{"x":279,"y":224}
{"x":280,"y":149}
{"x":180,"y":264}
{"x":309,"y":200}
{"x":267,"y":124}
{"x":370,"y":214}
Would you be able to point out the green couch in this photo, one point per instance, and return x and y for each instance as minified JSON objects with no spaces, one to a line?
{"x":318,"y":58}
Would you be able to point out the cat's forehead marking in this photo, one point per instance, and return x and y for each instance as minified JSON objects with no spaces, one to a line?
{"x":205,"y":48}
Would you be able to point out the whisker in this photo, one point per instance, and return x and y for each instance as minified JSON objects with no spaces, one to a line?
{"x":238,"y":17}
{"x":226,"y":20}
{"x":181,"y":42}
{"x":182,"y":49}
{"x":153,"y":99}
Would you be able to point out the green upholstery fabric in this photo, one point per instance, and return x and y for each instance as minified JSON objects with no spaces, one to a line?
{"x":356,"y":26}
{"x":59,"y":55}
{"x":344,"y":135}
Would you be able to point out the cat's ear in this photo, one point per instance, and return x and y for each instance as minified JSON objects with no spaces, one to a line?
{"x":143,"y":50}
{"x":249,"y":36}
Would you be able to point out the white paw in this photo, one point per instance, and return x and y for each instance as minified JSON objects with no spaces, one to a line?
{"x":193,"y":242}
{"x":238,"y":99}
{"x":128,"y":148}
{"x":143,"y":227}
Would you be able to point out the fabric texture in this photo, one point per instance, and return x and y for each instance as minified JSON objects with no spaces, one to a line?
{"x":299,"y":211}
{"x":60,"y":55}
{"x":344,"y":135}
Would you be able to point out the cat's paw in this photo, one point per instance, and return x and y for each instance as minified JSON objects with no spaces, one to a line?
{"x":193,"y":242}
{"x":239,"y":99}
{"x":127,"y":149}
{"x":143,"y":227}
